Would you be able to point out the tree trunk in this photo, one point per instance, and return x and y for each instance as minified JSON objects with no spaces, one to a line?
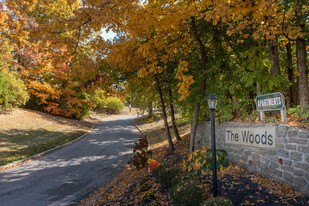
{"x":169,"y":138}
{"x":203,"y":88}
{"x":303,"y":72}
{"x":150,"y":111}
{"x":194,"y":126}
{"x":292,"y":89}
{"x":173,"y":115}
{"x":274,"y":58}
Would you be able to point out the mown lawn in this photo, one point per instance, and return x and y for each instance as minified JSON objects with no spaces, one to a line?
{"x":24,"y":133}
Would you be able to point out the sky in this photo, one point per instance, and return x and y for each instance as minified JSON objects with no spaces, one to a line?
{"x":108,"y":36}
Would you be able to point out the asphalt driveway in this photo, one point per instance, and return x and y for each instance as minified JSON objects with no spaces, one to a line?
{"x":66,"y":176}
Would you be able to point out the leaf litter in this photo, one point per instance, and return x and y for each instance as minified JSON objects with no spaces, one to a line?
{"x":234,"y":182}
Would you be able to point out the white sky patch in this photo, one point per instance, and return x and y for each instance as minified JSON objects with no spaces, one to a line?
{"x":108,"y":35}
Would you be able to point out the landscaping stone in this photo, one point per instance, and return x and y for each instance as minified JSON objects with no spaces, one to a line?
{"x":296,"y":156}
{"x":283,"y":153}
{"x":290,"y":147}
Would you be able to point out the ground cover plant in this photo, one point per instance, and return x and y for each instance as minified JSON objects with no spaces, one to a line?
{"x":24,"y":133}
{"x":235,"y":184}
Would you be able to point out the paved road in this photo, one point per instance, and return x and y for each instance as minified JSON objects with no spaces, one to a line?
{"x":66,"y":176}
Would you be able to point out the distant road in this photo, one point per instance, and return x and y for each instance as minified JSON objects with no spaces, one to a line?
{"x":66,"y":176}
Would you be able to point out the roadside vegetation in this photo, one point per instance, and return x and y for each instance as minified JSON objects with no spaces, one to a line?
{"x":182,"y":178}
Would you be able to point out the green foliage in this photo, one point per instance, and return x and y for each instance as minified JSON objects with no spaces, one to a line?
{"x":222,"y":201}
{"x":271,"y":119}
{"x":157,"y":170}
{"x":200,"y":161}
{"x":13,"y":91}
{"x":140,"y":154}
{"x":144,"y":187}
{"x":108,"y":105}
{"x":144,"y":179}
{"x":155,"y":203}
{"x":148,"y":196}
{"x":166,"y":176}
{"x":188,"y":192}
{"x":299,"y":112}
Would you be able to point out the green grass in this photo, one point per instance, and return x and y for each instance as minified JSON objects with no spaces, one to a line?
{"x":22,"y":144}
{"x":24,"y":133}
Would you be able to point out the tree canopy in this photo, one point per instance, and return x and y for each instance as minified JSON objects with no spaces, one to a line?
{"x":237,"y":48}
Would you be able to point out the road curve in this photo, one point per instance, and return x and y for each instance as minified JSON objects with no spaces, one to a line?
{"x":66,"y":176}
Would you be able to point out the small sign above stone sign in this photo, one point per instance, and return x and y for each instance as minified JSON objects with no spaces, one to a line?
{"x":270,"y":102}
{"x":264,"y":137}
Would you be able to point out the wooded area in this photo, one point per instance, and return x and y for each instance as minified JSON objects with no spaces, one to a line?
{"x":168,"y":52}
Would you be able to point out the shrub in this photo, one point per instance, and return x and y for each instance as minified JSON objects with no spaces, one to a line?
{"x":13,"y":91}
{"x":146,"y":186}
{"x":188,"y":192}
{"x":200,"y":161}
{"x":299,"y":112}
{"x":144,"y":179}
{"x":166,"y":176}
{"x":157,"y":170}
{"x":108,"y":105}
{"x":140,"y":154}
{"x":155,"y":203}
{"x":222,"y":201}
{"x":148,"y":196}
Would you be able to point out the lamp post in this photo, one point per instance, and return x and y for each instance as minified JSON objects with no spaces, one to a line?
{"x":212,"y":103}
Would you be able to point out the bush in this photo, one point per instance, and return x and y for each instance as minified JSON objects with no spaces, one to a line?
{"x":189,"y":192}
{"x":166,"y":176}
{"x":108,"y":105}
{"x":144,"y":187}
{"x":157,"y":170}
{"x":222,"y":201}
{"x":148,"y":196}
{"x":13,"y":91}
{"x":144,"y":179}
{"x":200,"y":161}
{"x":155,"y":203}
{"x":140,"y":154}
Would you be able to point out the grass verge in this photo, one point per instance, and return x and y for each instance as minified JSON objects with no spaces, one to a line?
{"x":24,"y":133}
{"x":154,"y":128}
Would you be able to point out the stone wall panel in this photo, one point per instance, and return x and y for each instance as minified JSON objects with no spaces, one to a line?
{"x":286,"y":161}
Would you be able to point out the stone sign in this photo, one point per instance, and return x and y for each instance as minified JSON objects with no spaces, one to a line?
{"x":255,"y":136}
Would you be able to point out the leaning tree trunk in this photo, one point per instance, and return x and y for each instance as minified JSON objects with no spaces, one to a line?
{"x":203,"y":88}
{"x":173,"y":115}
{"x":292,"y":89}
{"x":303,"y":73}
{"x":169,"y":138}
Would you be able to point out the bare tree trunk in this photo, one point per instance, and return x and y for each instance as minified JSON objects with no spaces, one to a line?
{"x":173,"y":115}
{"x":194,"y":126}
{"x":203,"y":88}
{"x":303,"y":72}
{"x":150,"y":111}
{"x":274,"y":57}
{"x":169,"y":138}
{"x":292,"y":89}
